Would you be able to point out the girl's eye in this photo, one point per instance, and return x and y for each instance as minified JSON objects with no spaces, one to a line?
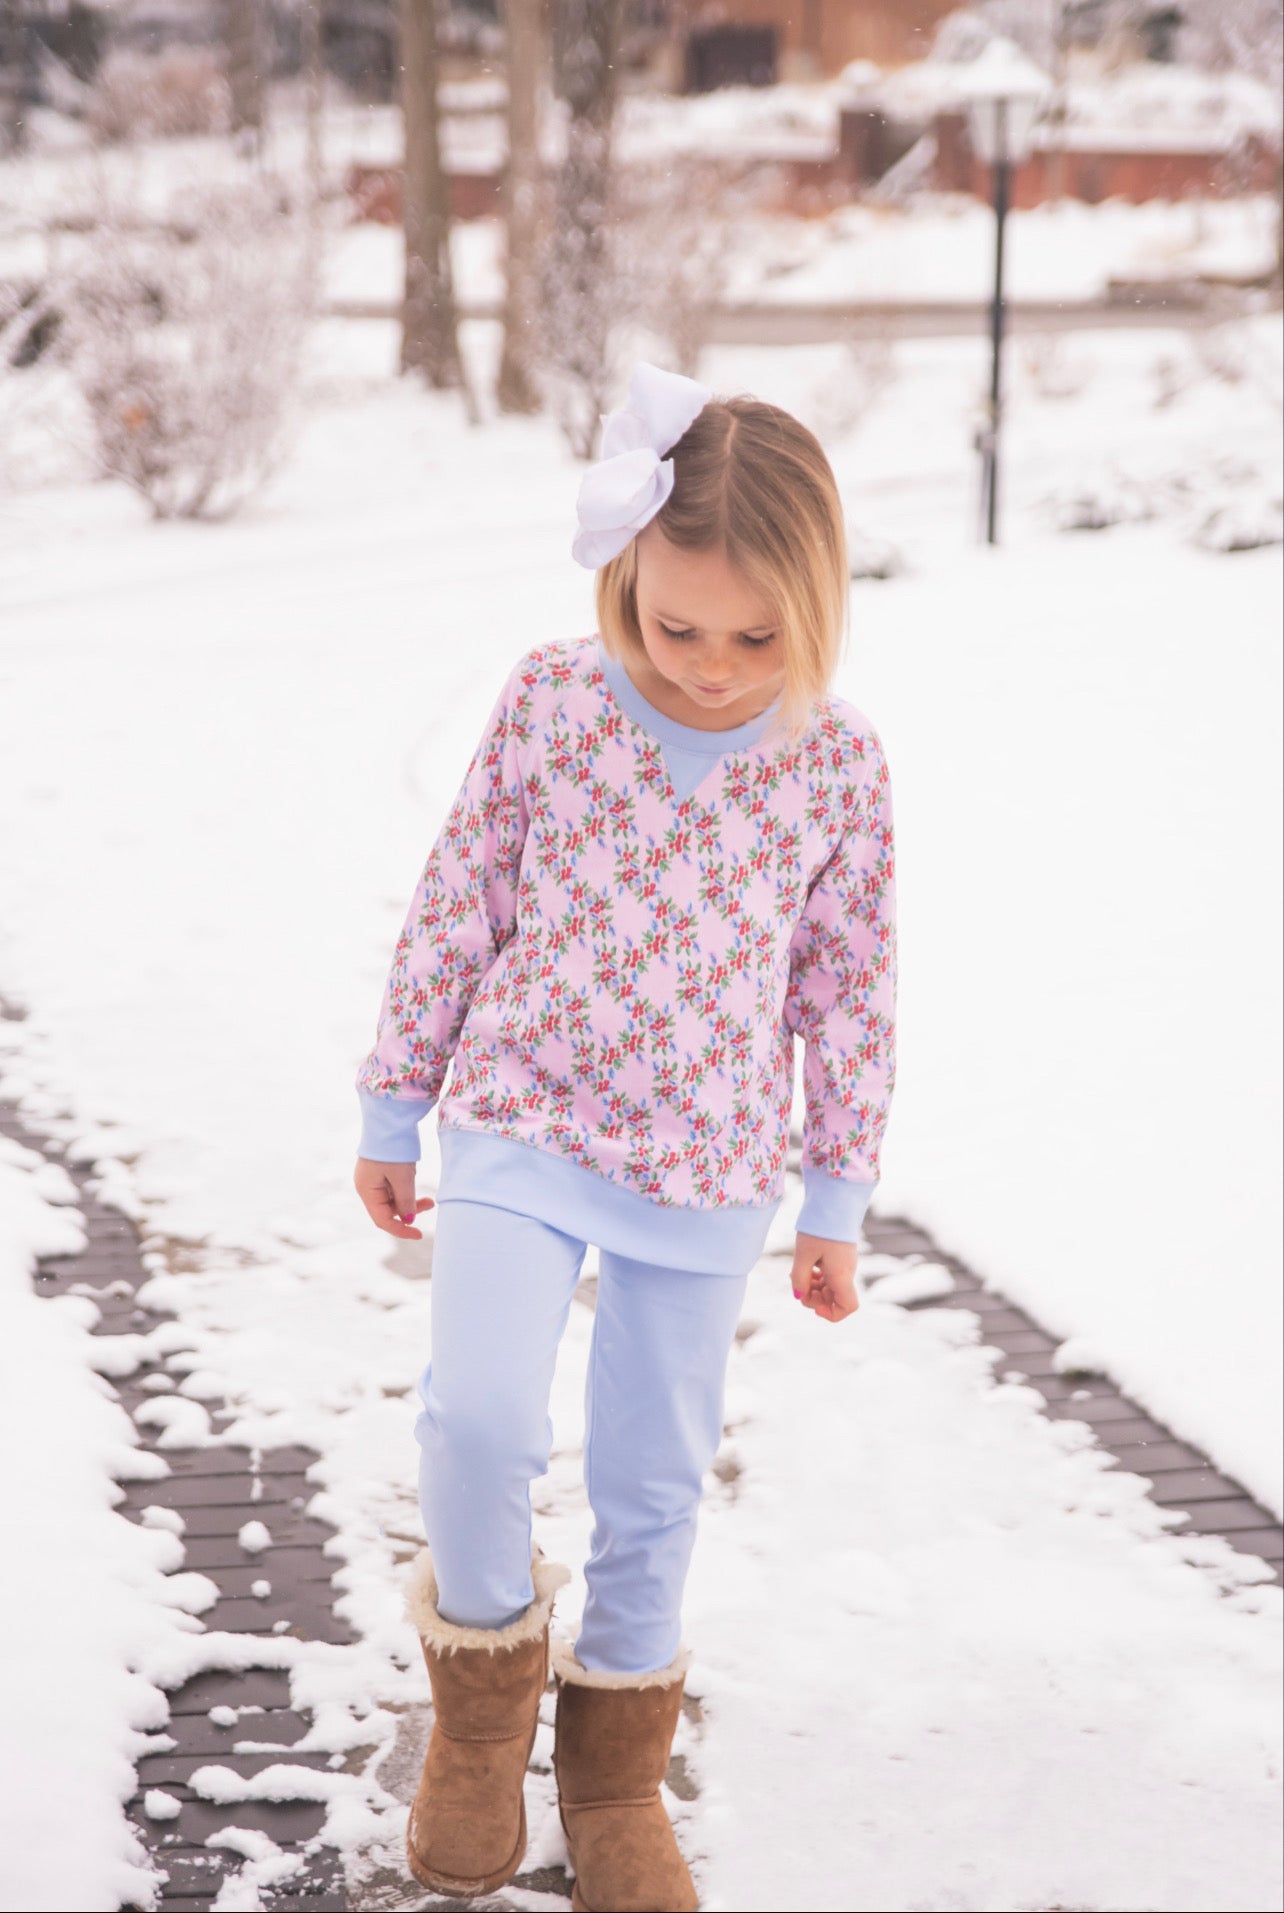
{"x":756,"y":644}
{"x":676,"y":634}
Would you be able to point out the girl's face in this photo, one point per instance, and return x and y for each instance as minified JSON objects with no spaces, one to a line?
{"x":716,"y":655}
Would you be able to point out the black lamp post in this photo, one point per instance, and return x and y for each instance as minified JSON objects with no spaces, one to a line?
{"x":1004,"y":92}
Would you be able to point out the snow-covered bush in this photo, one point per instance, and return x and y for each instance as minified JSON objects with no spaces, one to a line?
{"x":870,"y":557}
{"x":655,"y":263}
{"x":1231,"y":353}
{"x":1244,"y":523}
{"x":1225,"y":504}
{"x":185,"y":344}
{"x":840,"y":402}
{"x":672,"y":259}
{"x":575,"y":349}
{"x":1054,"y":370}
{"x":38,"y":439}
{"x":1098,"y":500}
{"x":169,"y":95}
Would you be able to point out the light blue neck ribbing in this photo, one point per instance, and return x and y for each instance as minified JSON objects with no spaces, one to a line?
{"x":688,"y":751}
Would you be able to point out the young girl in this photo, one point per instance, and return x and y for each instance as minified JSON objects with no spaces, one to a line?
{"x":671,"y":855}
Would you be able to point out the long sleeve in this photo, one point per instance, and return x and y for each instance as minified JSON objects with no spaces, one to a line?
{"x":842,"y":1000}
{"x":462,"y":913}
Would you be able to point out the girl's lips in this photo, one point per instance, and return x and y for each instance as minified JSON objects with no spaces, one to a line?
{"x":713,"y":690}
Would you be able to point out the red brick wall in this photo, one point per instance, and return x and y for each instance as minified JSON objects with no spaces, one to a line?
{"x":375,"y":193}
{"x":1094,"y":176}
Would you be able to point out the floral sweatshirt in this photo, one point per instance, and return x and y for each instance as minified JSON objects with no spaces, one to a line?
{"x":621,"y":929}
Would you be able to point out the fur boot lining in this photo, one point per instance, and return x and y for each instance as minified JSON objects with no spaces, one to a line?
{"x":446,"y":1637}
{"x":567,"y":1668}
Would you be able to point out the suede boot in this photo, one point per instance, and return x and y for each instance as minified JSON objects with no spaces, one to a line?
{"x":614,"y":1734}
{"x":467,"y":1827}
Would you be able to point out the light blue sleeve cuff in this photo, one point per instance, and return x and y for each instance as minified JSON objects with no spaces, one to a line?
{"x":390,"y":1126}
{"x":832,"y":1208}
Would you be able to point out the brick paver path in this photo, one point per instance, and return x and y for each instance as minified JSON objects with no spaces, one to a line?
{"x":217,"y":1489}
{"x":1180,"y":1475}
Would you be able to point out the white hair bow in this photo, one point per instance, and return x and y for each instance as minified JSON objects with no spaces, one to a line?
{"x":632,"y":479}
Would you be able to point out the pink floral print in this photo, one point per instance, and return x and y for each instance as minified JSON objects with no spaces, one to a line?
{"x":619,"y":976}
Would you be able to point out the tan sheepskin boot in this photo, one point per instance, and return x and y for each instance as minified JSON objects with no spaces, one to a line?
{"x":467,"y":1827}
{"x":611,"y":1749}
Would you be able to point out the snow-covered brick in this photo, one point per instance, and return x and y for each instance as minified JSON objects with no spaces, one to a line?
{"x":1079,"y":1356}
{"x":136,"y":1464}
{"x":194,"y":1593}
{"x":154,"y":1516}
{"x":204,"y":1384}
{"x":183,"y":1424}
{"x":279,"y":1782}
{"x":118,"y":1355}
{"x":917,"y":1282}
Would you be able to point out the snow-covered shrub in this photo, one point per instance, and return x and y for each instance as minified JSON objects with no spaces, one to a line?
{"x":1053,"y":370}
{"x":185,"y":343}
{"x":872,"y":557}
{"x":654,"y":263}
{"x":1231,"y":353}
{"x":1224,"y":504}
{"x":1097,"y":501}
{"x":169,"y":95}
{"x":37,"y":411}
{"x":575,"y":353}
{"x":840,"y":402}
{"x":1245,"y":523}
{"x":672,"y":259}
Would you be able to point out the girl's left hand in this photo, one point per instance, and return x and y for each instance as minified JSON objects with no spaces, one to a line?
{"x":824,"y":1277}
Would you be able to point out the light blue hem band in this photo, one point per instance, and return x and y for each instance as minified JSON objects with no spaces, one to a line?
{"x":478,"y":1166}
{"x":832,"y":1207}
{"x":390,"y":1126}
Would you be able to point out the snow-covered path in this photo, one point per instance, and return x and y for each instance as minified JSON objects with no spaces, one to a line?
{"x":938,"y":1671}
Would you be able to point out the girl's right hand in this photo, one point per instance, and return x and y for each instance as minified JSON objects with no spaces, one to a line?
{"x":388,"y":1191}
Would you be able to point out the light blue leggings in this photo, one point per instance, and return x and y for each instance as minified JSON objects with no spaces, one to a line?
{"x":501,"y":1292}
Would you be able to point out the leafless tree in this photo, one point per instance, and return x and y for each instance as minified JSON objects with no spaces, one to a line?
{"x":1243,"y":36}
{"x":185,"y":341}
{"x":246,"y":62}
{"x":670,"y":258}
{"x":313,"y":91}
{"x":576,"y":280}
{"x":526,"y":65}
{"x":429,"y":324}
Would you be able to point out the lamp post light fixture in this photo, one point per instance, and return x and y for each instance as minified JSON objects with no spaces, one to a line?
{"x":1003,"y":92}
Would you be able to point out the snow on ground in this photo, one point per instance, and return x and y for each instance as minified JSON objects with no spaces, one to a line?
{"x":940,"y":249}
{"x":860,"y":254}
{"x":942,"y":1662}
{"x":84,"y":1591}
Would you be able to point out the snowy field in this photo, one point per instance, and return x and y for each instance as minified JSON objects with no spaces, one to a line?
{"x":946,"y":1659}
{"x":940,"y":250}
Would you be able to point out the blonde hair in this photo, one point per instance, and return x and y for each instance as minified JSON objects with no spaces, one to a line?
{"x":750,"y":479}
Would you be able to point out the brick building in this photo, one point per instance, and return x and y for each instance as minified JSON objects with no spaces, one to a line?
{"x":727,"y":42}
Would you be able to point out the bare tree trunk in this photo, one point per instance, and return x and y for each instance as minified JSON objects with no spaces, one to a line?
{"x":516,"y":390}
{"x":429,"y":332}
{"x":244,"y":39}
{"x":580,"y":259}
{"x":13,"y":72}
{"x":313,"y":84}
